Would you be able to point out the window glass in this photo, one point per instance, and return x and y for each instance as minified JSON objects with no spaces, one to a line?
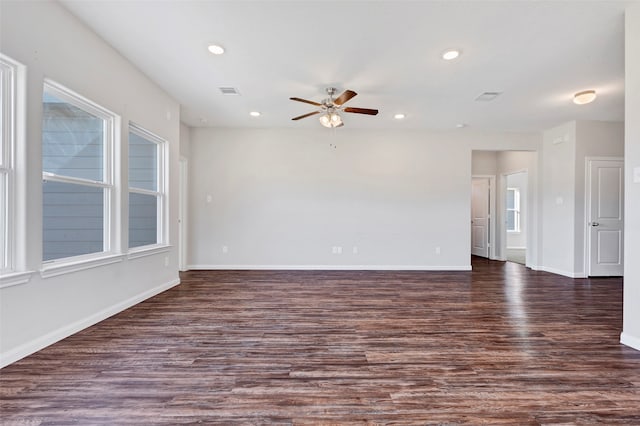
{"x":143,"y":219}
{"x":143,"y":163}
{"x":73,"y":220}
{"x":72,"y":140}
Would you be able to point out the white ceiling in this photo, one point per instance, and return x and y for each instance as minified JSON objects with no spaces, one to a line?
{"x":538,"y":53}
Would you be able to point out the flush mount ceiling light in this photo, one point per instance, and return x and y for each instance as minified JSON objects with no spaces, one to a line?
{"x":216,"y":49}
{"x":399,"y":116}
{"x":584,"y":97}
{"x":255,"y":114}
{"x":450,"y":54}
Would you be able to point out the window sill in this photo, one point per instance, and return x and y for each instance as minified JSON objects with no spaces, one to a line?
{"x":66,"y":267}
{"x":147,"y":251}
{"x":15,"y":278}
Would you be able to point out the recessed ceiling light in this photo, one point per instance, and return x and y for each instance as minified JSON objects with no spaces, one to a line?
{"x":254,"y":114}
{"x":216,"y":49}
{"x":399,"y":116}
{"x":584,"y":97}
{"x":450,"y":54}
{"x":461,"y":125}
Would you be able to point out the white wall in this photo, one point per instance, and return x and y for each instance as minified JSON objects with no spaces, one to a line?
{"x":593,"y":139}
{"x":53,"y":44}
{"x":565,"y":149}
{"x":185,"y":138}
{"x":631,"y":310}
{"x":484,"y":163}
{"x":284,"y":198}
{"x":558,"y":199}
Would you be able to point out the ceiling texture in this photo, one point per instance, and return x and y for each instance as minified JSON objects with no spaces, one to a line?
{"x":537,"y":54}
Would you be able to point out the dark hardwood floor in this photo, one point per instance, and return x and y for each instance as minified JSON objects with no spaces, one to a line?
{"x":499,"y":345}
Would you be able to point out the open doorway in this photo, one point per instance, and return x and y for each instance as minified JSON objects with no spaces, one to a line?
{"x":515,"y":213}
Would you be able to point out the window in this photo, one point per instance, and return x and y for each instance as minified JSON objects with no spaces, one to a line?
{"x":513,"y":210}
{"x":147,"y":203}
{"x":8,"y":71}
{"x":77,"y":173}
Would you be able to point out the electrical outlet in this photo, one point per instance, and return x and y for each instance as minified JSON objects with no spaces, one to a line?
{"x":355,"y":249}
{"x":339,"y":250}
{"x":225,"y":249}
{"x":438,"y":250}
{"x":166,"y":261}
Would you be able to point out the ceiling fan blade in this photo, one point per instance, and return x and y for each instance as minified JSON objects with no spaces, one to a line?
{"x":362,"y":111}
{"x":344,"y":97}
{"x":306,"y":101}
{"x":306,"y":115}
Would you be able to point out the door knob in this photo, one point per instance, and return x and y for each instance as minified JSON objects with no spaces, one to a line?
{"x":595,"y":224}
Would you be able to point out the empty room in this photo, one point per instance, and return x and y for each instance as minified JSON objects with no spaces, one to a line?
{"x":319,"y":212}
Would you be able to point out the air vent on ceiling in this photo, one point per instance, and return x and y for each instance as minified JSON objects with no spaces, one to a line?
{"x":229,"y":90}
{"x":488,"y":96}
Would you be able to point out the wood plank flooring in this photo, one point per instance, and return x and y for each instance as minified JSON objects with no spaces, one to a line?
{"x":499,"y":345}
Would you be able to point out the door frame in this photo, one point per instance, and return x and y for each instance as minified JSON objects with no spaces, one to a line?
{"x":491,"y":221}
{"x":587,"y":208}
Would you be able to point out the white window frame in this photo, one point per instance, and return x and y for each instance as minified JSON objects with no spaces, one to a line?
{"x":515,"y":209}
{"x":162,"y":243}
{"x":12,"y":222}
{"x":110,"y":252}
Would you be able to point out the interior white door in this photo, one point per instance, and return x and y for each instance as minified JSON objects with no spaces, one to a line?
{"x":605,"y":217}
{"x":480,"y":217}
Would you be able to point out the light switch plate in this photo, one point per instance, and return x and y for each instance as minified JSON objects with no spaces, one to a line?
{"x":636,"y":174}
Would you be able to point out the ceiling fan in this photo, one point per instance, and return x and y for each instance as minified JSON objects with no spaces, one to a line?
{"x":330,"y":107}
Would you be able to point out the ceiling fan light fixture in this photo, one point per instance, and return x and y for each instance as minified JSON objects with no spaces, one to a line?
{"x":331,"y":119}
{"x":584,"y":97}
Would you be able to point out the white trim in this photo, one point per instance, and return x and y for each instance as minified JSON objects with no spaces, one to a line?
{"x":183,"y":220}
{"x":110,"y":147}
{"x":42,"y":342}
{"x":79,"y":263}
{"x":516,"y":248}
{"x":12,"y":82}
{"x":144,"y":251}
{"x":334,"y":267}
{"x":15,"y":278}
{"x":629,"y":340}
{"x":162,"y":178}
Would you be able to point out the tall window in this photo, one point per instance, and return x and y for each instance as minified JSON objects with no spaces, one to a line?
{"x":7,"y":143}
{"x":147,"y":203}
{"x":77,"y":175}
{"x":513,"y":210}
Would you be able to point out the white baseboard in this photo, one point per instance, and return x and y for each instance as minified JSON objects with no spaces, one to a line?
{"x":629,"y":340}
{"x":42,"y":342}
{"x":561,"y":272}
{"x":334,"y":267}
{"x":517,"y":248}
